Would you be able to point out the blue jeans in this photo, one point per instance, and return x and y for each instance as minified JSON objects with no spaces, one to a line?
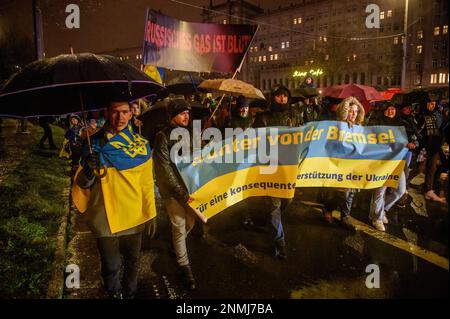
{"x":382,"y":203}
{"x":277,"y":206}
{"x":111,"y":249}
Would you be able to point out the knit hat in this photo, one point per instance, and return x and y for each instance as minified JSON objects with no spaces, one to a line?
{"x":178,"y":106}
{"x":241,"y":101}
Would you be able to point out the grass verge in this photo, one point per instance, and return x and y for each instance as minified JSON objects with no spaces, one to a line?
{"x":31,"y":206}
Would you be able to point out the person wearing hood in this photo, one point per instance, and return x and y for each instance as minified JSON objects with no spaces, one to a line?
{"x":279,"y":111}
{"x":308,"y":82}
{"x":310,"y":110}
{"x":279,"y":114}
{"x":172,"y":188}
{"x":73,"y":135}
{"x":240,"y":115}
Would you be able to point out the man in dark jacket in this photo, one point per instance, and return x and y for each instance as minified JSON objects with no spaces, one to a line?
{"x":279,"y":114}
{"x":172,"y":188}
{"x":240,"y":115}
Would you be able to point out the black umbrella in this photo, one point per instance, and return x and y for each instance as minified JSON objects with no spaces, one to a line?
{"x":153,"y":120}
{"x":302,"y":93}
{"x":72,"y":83}
{"x":184,"y":84}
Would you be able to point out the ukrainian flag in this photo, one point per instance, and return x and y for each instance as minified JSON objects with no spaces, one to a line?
{"x":128,"y":186}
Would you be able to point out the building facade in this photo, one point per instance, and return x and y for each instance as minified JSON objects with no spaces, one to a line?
{"x":332,"y":40}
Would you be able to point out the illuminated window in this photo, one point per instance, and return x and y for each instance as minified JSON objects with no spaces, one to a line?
{"x":295,"y":20}
{"x":275,"y":56}
{"x":381,"y":15}
{"x":287,"y":44}
{"x":299,"y":20}
{"x":259,"y":58}
{"x":327,"y":57}
{"x":264,"y":58}
{"x":270,"y":48}
{"x":433,"y":79}
{"x":420,"y":34}
{"x":436,"y":30}
{"x":251,"y":49}
{"x":419,"y":49}
{"x":271,"y":57}
{"x":395,"y":40}
{"x":324,"y":39}
{"x":354,"y":56}
{"x":282,"y":45}
{"x":389,"y":13}
{"x":445,"y":29}
{"x":442,"y":77}
{"x":225,"y":21}
{"x":403,"y":39}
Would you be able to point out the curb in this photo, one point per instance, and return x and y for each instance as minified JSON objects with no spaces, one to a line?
{"x":56,"y":284}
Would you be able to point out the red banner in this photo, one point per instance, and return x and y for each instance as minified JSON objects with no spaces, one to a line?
{"x":196,"y":47}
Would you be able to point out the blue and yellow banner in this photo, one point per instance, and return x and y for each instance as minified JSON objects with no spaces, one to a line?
{"x":274,"y":161}
{"x":128,"y":186}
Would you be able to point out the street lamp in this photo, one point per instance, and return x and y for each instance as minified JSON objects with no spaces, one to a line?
{"x":405,"y":31}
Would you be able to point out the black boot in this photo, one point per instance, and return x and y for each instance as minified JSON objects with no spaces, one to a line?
{"x":188,"y":277}
{"x":280,"y":252}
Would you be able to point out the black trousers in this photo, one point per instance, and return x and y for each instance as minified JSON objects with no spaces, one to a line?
{"x":47,"y":135}
{"x":111,"y":250}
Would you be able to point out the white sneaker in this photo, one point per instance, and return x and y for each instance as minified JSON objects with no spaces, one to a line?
{"x":378,"y":224}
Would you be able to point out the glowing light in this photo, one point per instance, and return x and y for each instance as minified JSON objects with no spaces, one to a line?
{"x":304,"y":73}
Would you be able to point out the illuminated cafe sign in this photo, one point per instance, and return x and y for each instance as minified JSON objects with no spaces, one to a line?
{"x":304,"y":73}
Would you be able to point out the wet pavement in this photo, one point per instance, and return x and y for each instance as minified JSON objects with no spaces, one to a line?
{"x":324,"y":261}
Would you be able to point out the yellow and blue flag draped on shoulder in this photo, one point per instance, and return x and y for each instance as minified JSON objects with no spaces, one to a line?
{"x":128,"y":187}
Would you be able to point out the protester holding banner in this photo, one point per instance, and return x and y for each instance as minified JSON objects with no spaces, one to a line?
{"x":350,"y":110}
{"x":382,"y":201}
{"x":114,"y":190}
{"x":172,"y":188}
{"x":278,"y":115}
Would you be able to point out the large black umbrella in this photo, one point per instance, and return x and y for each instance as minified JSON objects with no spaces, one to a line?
{"x":184,"y":84}
{"x":71,"y":83}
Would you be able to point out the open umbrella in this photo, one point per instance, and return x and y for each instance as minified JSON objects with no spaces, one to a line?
{"x":232,"y":87}
{"x":301,"y":93}
{"x":184,"y":84}
{"x":71,"y":83}
{"x":363,"y":93}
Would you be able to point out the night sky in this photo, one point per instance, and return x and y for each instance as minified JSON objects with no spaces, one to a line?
{"x":109,"y":24}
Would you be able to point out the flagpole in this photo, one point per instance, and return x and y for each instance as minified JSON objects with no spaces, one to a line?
{"x":235,"y":73}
